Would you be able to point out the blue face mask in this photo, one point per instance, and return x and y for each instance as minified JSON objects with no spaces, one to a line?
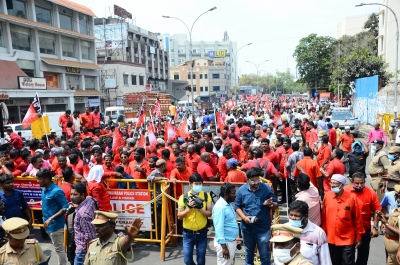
{"x":296,"y":223}
{"x":374,"y":148}
{"x":336,"y":189}
{"x":197,"y":188}
{"x":391,"y":157}
{"x":299,"y":138}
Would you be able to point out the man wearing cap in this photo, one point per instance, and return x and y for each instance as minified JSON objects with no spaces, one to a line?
{"x":345,"y":230}
{"x":19,"y":250}
{"x":234,"y":175}
{"x":286,"y":241}
{"x":109,"y":248}
{"x":378,"y":167}
{"x":15,"y":139}
{"x":393,"y":176}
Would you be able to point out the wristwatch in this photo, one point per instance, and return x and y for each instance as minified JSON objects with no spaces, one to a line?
{"x":375,"y":227}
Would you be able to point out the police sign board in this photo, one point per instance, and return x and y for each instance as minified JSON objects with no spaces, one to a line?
{"x":34,"y":83}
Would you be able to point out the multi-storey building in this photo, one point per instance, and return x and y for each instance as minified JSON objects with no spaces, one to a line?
{"x":54,"y":42}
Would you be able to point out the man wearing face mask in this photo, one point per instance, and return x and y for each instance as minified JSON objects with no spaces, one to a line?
{"x":369,"y":205}
{"x":357,"y":159}
{"x":344,"y":232}
{"x":194,"y":221}
{"x":378,"y":167}
{"x":393,"y":176}
{"x":313,"y":243}
{"x":286,"y":241}
{"x":300,"y":140}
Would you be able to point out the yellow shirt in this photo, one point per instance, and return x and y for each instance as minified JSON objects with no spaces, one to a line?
{"x":172,"y":110}
{"x":194,"y":220}
{"x":27,"y":255}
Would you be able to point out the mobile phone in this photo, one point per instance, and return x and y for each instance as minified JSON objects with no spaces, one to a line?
{"x":270,"y":199}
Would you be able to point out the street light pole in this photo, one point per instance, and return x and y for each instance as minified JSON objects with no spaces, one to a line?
{"x":257,"y":66}
{"x":396,"y":67}
{"x":191,"y":51}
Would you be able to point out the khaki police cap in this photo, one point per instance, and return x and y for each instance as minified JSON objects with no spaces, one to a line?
{"x":284,"y":232}
{"x":104,"y":217}
{"x":321,"y":133}
{"x":394,"y":149}
{"x":16,"y":227}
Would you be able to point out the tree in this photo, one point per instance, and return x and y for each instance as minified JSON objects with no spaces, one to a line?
{"x":314,"y":60}
{"x":359,"y":63}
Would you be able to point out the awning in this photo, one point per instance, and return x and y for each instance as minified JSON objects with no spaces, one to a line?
{"x":9,"y":72}
{"x":67,"y":63}
{"x":88,"y":93}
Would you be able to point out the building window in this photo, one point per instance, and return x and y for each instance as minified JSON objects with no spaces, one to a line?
{"x":194,"y":89}
{"x":201,"y":89}
{"x":2,"y":44}
{"x":194,"y":76}
{"x":20,"y":37}
{"x":225,"y":76}
{"x":172,"y":60}
{"x":51,"y":80}
{"x":19,"y":9}
{"x":201,"y":76}
{"x":68,"y":46}
{"x":205,"y":76}
{"x":215,"y":76}
{"x":134,"y":80}
{"x":66,"y":19}
{"x":141,"y":80}
{"x":43,"y":15}
{"x":86,"y":48}
{"x":84,"y":24}
{"x":176,"y":77}
{"x":172,"y":50}
{"x":206,"y":88}
{"x":188,"y":76}
{"x":382,"y":44}
{"x":125,"y":79}
{"x":27,"y":66}
{"x":47,"y":42}
{"x":383,"y":20}
{"x":216,"y":88}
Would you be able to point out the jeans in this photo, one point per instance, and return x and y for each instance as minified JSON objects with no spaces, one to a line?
{"x":250,"y":241}
{"x":342,"y":255}
{"x":189,"y":241}
{"x":79,"y":258}
{"x":57,"y":238}
{"x":363,"y":251}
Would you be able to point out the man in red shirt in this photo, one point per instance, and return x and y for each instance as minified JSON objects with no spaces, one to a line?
{"x":235,"y":144}
{"x":15,"y":139}
{"x":332,"y":135}
{"x":259,"y":162}
{"x":369,"y":205}
{"x":223,"y":170}
{"x":62,"y":122}
{"x":181,"y":172}
{"x":139,"y":168}
{"x":346,"y":139}
{"x":204,"y":168}
{"x":244,"y":153}
{"x":96,"y":118}
{"x":235,"y":175}
{"x":87,"y":119}
{"x":342,"y":222}
{"x":194,"y":158}
{"x":323,"y":153}
{"x":269,"y":153}
{"x":109,"y":172}
{"x":287,"y":151}
{"x":309,"y":167}
{"x":334,"y":167}
{"x":311,"y":135}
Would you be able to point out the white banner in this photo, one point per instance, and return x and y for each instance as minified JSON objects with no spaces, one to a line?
{"x":34,"y":83}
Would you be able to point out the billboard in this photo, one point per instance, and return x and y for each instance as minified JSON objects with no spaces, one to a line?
{"x":35,"y":83}
{"x":217,"y":54}
{"x":121,"y":12}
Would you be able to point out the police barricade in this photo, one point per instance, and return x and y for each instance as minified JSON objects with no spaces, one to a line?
{"x":149,"y":204}
{"x":213,"y":189}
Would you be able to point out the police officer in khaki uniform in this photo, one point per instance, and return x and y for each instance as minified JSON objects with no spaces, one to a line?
{"x":19,"y":250}
{"x":393,"y":176}
{"x":391,"y":224}
{"x":287,"y":237}
{"x":378,"y":167}
{"x":109,"y":248}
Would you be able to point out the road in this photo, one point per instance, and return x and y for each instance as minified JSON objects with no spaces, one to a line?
{"x":146,"y":254}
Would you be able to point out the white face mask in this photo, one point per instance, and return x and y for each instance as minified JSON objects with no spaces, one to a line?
{"x":283,"y":255}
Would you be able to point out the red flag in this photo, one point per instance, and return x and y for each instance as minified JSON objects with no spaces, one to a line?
{"x":157,"y":109}
{"x":183,"y":130}
{"x":142,"y":141}
{"x":140,"y":117}
{"x":170,"y":133}
{"x":229,"y":104}
{"x":220,"y":123}
{"x":152,"y":138}
{"x":277,"y":118}
{"x":33,"y":113}
{"x":118,"y":141}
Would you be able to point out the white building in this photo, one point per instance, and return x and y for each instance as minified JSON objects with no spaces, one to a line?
{"x":178,"y":46}
{"x":52,"y":40}
{"x":351,"y":25}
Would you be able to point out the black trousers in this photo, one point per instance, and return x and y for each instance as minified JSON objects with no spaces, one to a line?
{"x":363,"y":251}
{"x":342,"y":255}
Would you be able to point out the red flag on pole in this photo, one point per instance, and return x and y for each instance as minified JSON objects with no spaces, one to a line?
{"x":33,"y":113}
{"x":220,"y":123}
{"x":183,"y":130}
{"x":142,"y":141}
{"x":152,"y":138}
{"x":118,"y":140}
{"x":157,"y":109}
{"x":140,"y":117}
{"x":170,"y":133}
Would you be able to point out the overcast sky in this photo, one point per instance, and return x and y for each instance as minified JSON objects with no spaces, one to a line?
{"x":274,"y":27}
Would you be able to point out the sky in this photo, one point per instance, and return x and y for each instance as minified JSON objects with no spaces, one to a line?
{"x":273,"y":27}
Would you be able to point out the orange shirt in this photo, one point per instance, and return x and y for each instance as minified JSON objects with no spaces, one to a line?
{"x":194,"y":161}
{"x":334,"y":167}
{"x":137,"y":175}
{"x":243,"y":156}
{"x":341,"y":218}
{"x":235,"y":175}
{"x":111,"y":174}
{"x":184,"y":176}
{"x":87,"y":120}
{"x":213,"y":163}
{"x":63,"y":120}
{"x":368,"y":202}
{"x":347,"y":141}
{"x":272,"y":157}
{"x":282,"y":168}
{"x":223,"y":170}
{"x":96,"y":119}
{"x":324,"y":153}
{"x":311,"y":169}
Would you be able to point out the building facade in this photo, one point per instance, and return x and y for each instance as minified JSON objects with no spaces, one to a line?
{"x":178,"y":46}
{"x":351,"y":25}
{"x":53,"y":40}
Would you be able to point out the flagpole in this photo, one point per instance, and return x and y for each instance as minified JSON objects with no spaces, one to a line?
{"x":152,"y":122}
{"x":215,"y":120}
{"x":140,"y":110}
{"x":44,"y":125}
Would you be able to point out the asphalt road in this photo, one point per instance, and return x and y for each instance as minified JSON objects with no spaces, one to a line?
{"x":148,"y":253}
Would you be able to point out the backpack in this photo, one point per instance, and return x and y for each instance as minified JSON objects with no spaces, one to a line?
{"x":264,"y":171}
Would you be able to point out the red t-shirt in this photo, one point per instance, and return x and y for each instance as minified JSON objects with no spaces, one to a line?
{"x":205,"y":170}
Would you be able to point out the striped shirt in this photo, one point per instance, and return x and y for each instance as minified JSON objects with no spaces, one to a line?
{"x":83,"y":227}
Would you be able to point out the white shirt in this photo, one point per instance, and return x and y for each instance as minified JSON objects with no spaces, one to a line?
{"x":77,"y":124}
{"x":251,"y":119}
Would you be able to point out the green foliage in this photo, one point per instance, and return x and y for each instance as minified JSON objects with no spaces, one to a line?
{"x":314,"y":60}
{"x":372,"y":25}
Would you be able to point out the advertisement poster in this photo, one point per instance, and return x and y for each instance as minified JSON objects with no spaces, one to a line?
{"x":125,"y":199}
{"x":31,"y":191}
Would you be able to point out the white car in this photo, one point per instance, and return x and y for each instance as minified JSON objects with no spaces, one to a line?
{"x":17,"y":128}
